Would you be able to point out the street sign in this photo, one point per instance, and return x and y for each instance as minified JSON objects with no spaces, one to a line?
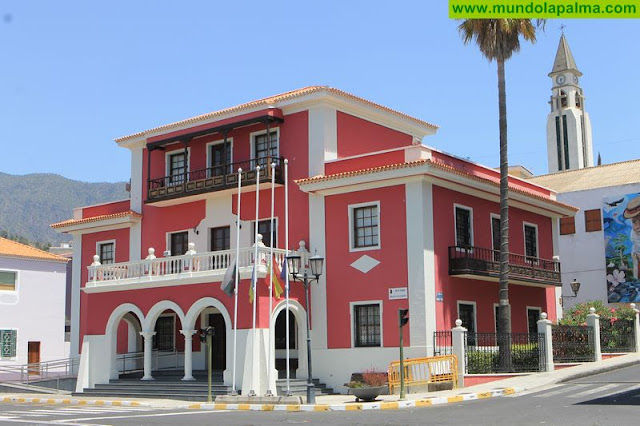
{"x":397,"y":293}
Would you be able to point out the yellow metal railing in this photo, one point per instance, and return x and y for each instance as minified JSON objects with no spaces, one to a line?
{"x":422,"y":371}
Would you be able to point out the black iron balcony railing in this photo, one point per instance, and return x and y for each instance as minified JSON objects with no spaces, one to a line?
{"x":213,"y":178}
{"x":484,"y":262}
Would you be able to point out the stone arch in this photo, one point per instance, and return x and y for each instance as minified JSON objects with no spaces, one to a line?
{"x":300,"y":315}
{"x":206,"y":302}
{"x":111,"y":331}
{"x":159,"y":308}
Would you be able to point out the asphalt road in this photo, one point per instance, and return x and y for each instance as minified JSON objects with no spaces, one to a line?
{"x":607,"y":399}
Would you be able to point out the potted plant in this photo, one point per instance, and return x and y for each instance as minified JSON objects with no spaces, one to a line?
{"x":368,"y":385}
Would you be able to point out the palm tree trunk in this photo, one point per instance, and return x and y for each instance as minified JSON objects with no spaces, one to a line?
{"x":504,"y":313}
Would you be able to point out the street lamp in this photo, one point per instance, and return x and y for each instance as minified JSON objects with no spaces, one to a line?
{"x":316,"y":263}
{"x":575,"y":287}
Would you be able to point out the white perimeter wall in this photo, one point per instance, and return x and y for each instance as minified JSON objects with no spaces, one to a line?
{"x":36,"y":309}
{"x":582,"y":254}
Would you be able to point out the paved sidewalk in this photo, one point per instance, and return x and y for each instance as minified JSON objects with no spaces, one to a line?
{"x":347,"y":402}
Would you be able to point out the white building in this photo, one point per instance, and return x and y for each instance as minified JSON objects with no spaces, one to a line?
{"x":32,"y":304}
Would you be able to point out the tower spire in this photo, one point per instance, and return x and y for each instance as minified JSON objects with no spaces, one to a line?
{"x":564,"y":58}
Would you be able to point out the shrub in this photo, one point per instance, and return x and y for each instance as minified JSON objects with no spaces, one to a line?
{"x":577,"y":315}
{"x":375,"y":378}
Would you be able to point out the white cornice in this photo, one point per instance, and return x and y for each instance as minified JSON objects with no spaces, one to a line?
{"x":99,"y":225}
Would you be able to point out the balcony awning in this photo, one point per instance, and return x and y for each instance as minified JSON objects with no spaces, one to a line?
{"x":267,"y":117}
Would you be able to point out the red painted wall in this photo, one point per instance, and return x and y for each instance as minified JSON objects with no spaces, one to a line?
{"x":364,"y":162}
{"x":357,"y":136}
{"x":346,"y":284}
{"x":109,"y":208}
{"x":485,"y":293}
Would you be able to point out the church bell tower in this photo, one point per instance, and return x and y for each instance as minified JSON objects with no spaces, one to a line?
{"x":569,"y":144}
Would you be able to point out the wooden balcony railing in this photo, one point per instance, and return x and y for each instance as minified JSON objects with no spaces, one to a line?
{"x":482,"y":262}
{"x":213,"y":178}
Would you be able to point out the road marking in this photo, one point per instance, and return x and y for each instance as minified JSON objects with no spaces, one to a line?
{"x":141,"y":416}
{"x":594,"y":390}
{"x":563,"y":389}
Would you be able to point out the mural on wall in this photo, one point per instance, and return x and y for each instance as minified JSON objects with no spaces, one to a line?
{"x":621,"y":218}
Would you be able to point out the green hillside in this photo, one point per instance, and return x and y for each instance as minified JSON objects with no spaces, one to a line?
{"x":30,"y":203}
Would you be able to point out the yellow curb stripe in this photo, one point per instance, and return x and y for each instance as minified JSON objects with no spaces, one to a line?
{"x":509,"y":391}
{"x":292,"y":407}
{"x":424,"y":403}
{"x":353,"y":407}
{"x":321,"y":407}
{"x":267,"y":407}
{"x":457,"y":398}
{"x":50,"y":401}
{"x":484,"y":395}
{"x":66,"y":401}
{"x":219,"y":406}
{"x":99,"y":403}
{"x":244,"y":406}
{"x":119,"y":403}
{"x":20,"y":400}
{"x":389,"y":406}
{"x":194,"y":407}
{"x":35,"y":400}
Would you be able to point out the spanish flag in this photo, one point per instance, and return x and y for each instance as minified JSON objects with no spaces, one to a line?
{"x":275,"y":278}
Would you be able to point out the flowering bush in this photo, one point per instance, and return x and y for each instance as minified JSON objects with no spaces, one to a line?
{"x":577,"y":315}
{"x":370,"y":378}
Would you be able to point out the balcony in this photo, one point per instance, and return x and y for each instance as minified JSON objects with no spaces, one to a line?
{"x":217,"y":178}
{"x":191,"y":268}
{"x":484,"y":264}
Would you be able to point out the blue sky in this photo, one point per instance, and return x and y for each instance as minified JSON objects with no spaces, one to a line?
{"x":75,"y":75}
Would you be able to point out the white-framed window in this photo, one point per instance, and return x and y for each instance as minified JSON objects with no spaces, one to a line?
{"x":176,"y":165}
{"x":107,"y":251}
{"x":530,"y":241}
{"x":8,"y":343}
{"x":533,"y":316}
{"x":366,"y":324}
{"x":467,"y":314}
{"x":463,"y":219}
{"x":220,"y":157}
{"x":8,"y":280}
{"x":364,"y":226}
{"x":265,"y":149}
{"x":178,"y":242}
{"x":164,"y":339}
{"x":264,"y":229}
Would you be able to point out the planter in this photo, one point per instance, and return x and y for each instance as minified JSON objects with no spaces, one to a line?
{"x":368,"y":393}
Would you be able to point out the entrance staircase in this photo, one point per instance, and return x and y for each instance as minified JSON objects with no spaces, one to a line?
{"x":168,"y":385}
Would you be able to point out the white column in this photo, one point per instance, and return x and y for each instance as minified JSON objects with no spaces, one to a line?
{"x":148,"y":349}
{"x":188,"y":353}
{"x":457,"y":343}
{"x":544,"y":327}
{"x":636,"y":327}
{"x":593,"y":321}
{"x":76,"y":273}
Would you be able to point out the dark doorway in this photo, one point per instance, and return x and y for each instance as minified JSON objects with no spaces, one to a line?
{"x":220,"y":159}
{"x":219,"y":342}
{"x":33,"y":355}
{"x":467,"y":314}
{"x":281,"y":345}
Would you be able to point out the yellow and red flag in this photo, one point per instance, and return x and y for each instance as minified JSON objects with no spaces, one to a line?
{"x":274,"y":278}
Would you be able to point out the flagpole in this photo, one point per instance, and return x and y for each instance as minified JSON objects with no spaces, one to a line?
{"x":253,"y":286}
{"x":235,"y":289}
{"x":286,"y":247}
{"x":273,"y":186}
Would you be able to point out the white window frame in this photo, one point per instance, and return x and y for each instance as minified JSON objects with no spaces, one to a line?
{"x":255,"y":223}
{"x":219,"y":142}
{"x":167,"y":156}
{"x":524,"y":239}
{"x":352,"y":315}
{"x":351,"y":208}
{"x":173,"y":333}
{"x":168,"y":239}
{"x":252,"y":140}
{"x":15,"y":287}
{"x":533,"y":308}
{"x":455,"y":224}
{"x":11,"y":358}
{"x":100,"y":243}
{"x":475,"y":311}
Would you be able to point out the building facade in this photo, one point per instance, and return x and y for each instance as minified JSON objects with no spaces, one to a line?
{"x":400,"y":224}
{"x":32,"y":305}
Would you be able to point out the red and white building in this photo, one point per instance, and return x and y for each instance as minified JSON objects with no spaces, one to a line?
{"x":401,"y":225}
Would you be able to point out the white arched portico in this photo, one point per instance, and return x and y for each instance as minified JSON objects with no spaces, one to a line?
{"x":111,"y":331}
{"x":148,"y":330}
{"x":300,"y":315}
{"x":189,"y":325}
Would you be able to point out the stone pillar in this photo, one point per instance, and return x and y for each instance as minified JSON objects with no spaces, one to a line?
{"x":546,"y":351}
{"x":457,"y":342}
{"x":188,"y":354}
{"x":148,"y":350}
{"x":636,"y":327}
{"x":593,"y":321}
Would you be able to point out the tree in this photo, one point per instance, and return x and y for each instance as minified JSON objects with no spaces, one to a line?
{"x":497,"y":40}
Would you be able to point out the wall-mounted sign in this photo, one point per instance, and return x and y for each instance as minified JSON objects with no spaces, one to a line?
{"x":397,"y":293}
{"x":439,"y":297}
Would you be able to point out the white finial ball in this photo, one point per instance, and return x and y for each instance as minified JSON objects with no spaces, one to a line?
{"x":592,"y":310}
{"x":151,"y":250}
{"x":302,"y":244}
{"x":633,"y":306}
{"x":259,"y":238}
{"x":239,"y":169}
{"x":543,"y":315}
{"x":273,"y":165}
{"x":258,"y":168}
{"x":458,"y":322}
{"x":286,"y":161}
{"x":96,"y":258}
{"x":191,"y":246}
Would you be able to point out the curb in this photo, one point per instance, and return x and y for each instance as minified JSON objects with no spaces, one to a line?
{"x":75,"y":401}
{"x":390,"y":405}
{"x":606,"y":369}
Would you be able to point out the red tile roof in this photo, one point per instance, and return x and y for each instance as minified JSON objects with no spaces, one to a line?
{"x":15,"y":249}
{"x":70,"y":222}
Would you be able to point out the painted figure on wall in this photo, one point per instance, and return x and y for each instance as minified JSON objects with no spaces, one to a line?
{"x":621,"y":217}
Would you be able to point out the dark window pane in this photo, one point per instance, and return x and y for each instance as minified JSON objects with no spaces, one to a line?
{"x":530,"y":241}
{"x":264,"y":229}
{"x":365,"y":226}
{"x":463,"y":227}
{"x":367,"y":325}
{"x":266,"y":149}
{"x":163,"y":340}
{"x":106,"y":253}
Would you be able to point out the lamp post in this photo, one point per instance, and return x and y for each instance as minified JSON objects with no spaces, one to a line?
{"x":316,"y":263}
{"x":575,"y":287}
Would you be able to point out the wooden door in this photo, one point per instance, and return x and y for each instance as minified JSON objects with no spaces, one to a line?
{"x":34,"y":357}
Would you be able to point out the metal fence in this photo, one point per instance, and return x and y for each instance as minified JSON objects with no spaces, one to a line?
{"x":617,"y":336}
{"x":520,"y":353}
{"x":572,"y":343}
{"x":442,"y":343}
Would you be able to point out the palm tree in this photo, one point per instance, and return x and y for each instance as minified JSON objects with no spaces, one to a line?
{"x":497,"y":40}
